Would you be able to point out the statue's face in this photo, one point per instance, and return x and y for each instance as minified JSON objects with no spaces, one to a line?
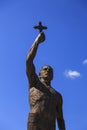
{"x":46,"y":72}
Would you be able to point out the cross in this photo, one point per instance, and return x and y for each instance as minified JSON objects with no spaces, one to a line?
{"x":40,"y":27}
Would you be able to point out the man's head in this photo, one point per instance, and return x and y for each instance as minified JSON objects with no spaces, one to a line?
{"x":46,"y":73}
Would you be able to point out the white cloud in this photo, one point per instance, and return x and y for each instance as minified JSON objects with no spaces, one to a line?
{"x":85,"y":62}
{"x":72,"y":74}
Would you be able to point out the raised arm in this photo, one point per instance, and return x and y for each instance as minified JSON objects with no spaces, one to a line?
{"x":30,"y":68}
{"x":60,"y":119}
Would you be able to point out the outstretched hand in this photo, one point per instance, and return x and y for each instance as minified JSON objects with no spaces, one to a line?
{"x":40,"y":38}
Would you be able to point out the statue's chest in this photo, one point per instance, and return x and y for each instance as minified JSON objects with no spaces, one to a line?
{"x":35,"y":94}
{"x":42,"y":96}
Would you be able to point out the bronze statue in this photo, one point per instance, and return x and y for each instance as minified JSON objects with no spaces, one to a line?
{"x":45,"y":101}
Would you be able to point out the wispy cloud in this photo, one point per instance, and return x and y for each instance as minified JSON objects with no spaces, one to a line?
{"x":72,"y":74}
{"x":85,"y":62}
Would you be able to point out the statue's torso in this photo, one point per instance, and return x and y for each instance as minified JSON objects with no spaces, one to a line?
{"x":43,"y":101}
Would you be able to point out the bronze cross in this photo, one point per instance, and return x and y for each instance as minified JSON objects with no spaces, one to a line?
{"x":40,"y":27}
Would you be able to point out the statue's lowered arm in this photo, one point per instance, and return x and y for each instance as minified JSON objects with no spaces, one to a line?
{"x":60,"y":119}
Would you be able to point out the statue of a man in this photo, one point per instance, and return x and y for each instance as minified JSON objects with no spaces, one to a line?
{"x":45,"y":101}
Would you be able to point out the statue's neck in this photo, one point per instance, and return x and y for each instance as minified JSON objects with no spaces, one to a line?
{"x":46,"y":82}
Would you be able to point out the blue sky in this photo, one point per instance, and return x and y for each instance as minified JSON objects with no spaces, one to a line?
{"x":65,"y":49}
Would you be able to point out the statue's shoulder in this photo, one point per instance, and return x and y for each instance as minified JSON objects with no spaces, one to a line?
{"x":55,"y":92}
{"x":58,"y":94}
